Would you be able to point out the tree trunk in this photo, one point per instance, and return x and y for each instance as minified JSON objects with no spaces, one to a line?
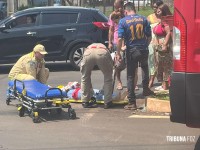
{"x":50,"y":2}
{"x":104,"y":6}
{"x":83,"y":2}
{"x":69,"y":2}
{"x":63,"y":3}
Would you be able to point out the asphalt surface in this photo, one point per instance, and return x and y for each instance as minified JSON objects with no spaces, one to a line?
{"x":93,"y":129}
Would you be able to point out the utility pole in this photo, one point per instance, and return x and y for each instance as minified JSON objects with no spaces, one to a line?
{"x":10,"y":7}
{"x":104,"y":6}
{"x":79,"y":2}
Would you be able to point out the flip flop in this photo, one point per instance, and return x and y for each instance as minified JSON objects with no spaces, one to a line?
{"x":159,"y":88}
{"x":119,"y":87}
{"x":136,"y":88}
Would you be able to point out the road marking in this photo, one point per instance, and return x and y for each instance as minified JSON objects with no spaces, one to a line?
{"x":151,"y":117}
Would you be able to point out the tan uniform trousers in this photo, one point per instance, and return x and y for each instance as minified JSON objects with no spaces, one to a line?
{"x":102,"y":58}
{"x":41,"y":77}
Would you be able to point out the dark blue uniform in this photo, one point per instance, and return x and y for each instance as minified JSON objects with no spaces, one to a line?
{"x":135,"y":29}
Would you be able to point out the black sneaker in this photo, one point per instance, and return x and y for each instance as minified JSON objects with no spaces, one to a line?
{"x":108,"y":105}
{"x":148,"y":92}
{"x":89,"y":105}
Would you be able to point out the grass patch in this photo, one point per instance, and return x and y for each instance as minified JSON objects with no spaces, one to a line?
{"x":145,"y":11}
{"x":162,"y":96}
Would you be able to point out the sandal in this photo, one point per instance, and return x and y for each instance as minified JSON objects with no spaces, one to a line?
{"x":119,"y":87}
{"x":136,"y":88}
{"x":159,"y":88}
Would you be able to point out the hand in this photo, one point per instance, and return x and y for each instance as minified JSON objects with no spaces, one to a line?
{"x":123,"y":48}
{"x":164,"y":48}
{"x":110,"y":46}
{"x":118,"y":57}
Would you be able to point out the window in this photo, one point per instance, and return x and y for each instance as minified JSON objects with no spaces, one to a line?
{"x":59,"y":18}
{"x":23,"y":21}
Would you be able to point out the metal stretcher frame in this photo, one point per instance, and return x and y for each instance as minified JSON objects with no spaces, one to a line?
{"x":121,"y":102}
{"x":33,"y":104}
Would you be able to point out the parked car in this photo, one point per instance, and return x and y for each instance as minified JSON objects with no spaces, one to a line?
{"x":140,"y":3}
{"x":3,"y":9}
{"x":64,"y":31}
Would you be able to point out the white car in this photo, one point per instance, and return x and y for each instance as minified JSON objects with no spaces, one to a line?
{"x":140,"y":3}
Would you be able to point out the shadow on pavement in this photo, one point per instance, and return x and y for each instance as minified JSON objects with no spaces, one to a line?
{"x":59,"y":66}
{"x":52,"y":115}
{"x":197,"y":145}
{"x":53,"y":67}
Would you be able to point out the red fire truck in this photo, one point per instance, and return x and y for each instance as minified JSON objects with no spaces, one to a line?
{"x":185,"y":80}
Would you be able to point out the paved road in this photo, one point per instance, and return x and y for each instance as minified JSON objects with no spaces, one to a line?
{"x":94,"y":129}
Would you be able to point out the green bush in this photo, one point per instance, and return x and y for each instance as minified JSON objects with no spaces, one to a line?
{"x":22,"y":7}
{"x":145,"y":11}
{"x":162,"y":96}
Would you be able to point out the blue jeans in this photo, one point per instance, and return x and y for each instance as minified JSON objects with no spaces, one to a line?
{"x":132,"y":65}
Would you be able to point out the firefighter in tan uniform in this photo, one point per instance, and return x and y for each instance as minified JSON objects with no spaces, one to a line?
{"x":96,"y":54}
{"x":31,"y":66}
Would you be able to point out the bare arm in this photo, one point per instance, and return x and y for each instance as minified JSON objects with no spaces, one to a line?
{"x":149,"y":40}
{"x":167,"y":37}
{"x":123,"y":46}
{"x":110,"y":37}
{"x":119,"y":46}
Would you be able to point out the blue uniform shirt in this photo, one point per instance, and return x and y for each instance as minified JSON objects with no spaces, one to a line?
{"x":134,"y":29}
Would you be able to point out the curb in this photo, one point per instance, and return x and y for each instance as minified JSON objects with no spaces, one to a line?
{"x":154,"y":105}
{"x":157,"y":105}
{"x":150,"y":104}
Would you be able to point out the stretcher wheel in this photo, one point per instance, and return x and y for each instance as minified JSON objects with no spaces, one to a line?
{"x":36,"y":120}
{"x":21,"y":110}
{"x":35,"y":117}
{"x":8,"y":102}
{"x":72,"y":113}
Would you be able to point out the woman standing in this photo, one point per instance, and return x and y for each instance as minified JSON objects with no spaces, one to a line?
{"x":154,"y":20}
{"x":163,"y":46}
{"x":114,"y":18}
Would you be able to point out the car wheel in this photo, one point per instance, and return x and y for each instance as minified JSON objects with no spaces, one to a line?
{"x":76,"y":55}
